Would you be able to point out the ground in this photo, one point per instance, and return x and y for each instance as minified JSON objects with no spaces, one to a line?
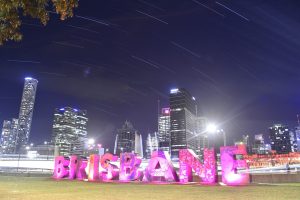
{"x":21,"y":188}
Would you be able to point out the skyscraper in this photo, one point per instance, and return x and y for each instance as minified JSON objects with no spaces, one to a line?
{"x":152,"y":144}
{"x":259,"y":146}
{"x":128,"y":140}
{"x":70,"y":131}
{"x":297,"y":132}
{"x":164,"y":130}
{"x":183,"y":110}
{"x":280,"y":138}
{"x":8,"y":136}
{"x":26,"y":111}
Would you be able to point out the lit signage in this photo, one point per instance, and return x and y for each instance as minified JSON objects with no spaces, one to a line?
{"x":159,"y":169}
{"x":166,"y":111}
{"x":174,"y":91}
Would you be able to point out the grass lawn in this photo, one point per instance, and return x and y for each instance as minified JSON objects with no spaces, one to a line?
{"x":22,"y":188}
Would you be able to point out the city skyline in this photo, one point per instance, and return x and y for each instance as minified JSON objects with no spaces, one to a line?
{"x":163,"y":112}
{"x":243,"y":73}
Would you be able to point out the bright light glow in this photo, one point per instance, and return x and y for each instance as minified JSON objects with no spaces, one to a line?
{"x":174,"y":91}
{"x":62,"y":109}
{"x":28,"y":78}
{"x":91,"y":141}
{"x":32,"y":154}
{"x":211,"y":128}
{"x":194,"y":98}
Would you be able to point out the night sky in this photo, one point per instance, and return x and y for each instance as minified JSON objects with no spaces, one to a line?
{"x":115,"y":58}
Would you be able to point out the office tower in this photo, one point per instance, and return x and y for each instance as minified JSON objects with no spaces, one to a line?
{"x":164,"y":130}
{"x":128,"y":140}
{"x":201,"y":135}
{"x":293,"y":141}
{"x":8,"y":136}
{"x":183,"y":111}
{"x":280,"y":138}
{"x":152,"y":144}
{"x":259,"y":146}
{"x":297,"y":132}
{"x":26,"y":111}
{"x":70,"y":131}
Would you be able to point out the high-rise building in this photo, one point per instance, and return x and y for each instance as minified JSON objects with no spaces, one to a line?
{"x":164,"y":130}
{"x":8,"y":136}
{"x":280,"y":138}
{"x":183,"y":111}
{"x":128,"y":140}
{"x":26,"y":111}
{"x":297,"y":132}
{"x":201,"y":135}
{"x":70,"y":131}
{"x":152,"y":144}
{"x":259,"y":146}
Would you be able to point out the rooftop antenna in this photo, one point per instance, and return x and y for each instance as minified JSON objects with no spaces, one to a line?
{"x":158,"y":113}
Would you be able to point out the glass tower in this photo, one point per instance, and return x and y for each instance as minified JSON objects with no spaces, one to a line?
{"x":280,"y":137}
{"x":164,"y":130}
{"x":70,"y":131}
{"x":183,"y":111}
{"x":128,"y":140}
{"x":26,"y":111}
{"x":8,"y":136}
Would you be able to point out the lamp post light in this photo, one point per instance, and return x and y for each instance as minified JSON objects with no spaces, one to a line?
{"x":47,"y":146}
{"x":213,"y":129}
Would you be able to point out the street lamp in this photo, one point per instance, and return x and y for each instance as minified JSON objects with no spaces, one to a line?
{"x":91,"y":141}
{"x":47,"y":146}
{"x":212,"y":129}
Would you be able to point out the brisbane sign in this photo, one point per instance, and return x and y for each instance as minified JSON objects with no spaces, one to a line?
{"x":159,"y":168}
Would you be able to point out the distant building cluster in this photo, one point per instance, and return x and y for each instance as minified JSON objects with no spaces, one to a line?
{"x":180,"y":126}
{"x":16,"y":132}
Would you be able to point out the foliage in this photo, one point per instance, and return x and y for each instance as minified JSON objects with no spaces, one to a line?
{"x":12,"y":10}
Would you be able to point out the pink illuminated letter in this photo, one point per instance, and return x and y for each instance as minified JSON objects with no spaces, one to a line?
{"x":232,"y":160}
{"x":108,"y":171}
{"x":129,"y":164}
{"x":81,"y":170}
{"x":73,"y":167}
{"x":61,"y":169}
{"x":188,"y":161}
{"x":160,"y":168}
{"x":94,"y":167}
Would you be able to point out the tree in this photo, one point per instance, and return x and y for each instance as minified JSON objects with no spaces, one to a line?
{"x":12,"y":10}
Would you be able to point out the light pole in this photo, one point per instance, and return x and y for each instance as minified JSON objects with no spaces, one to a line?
{"x":46,"y":143}
{"x":212,"y":128}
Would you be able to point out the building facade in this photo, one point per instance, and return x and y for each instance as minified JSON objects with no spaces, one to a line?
{"x":70,"y":131}
{"x":152,"y":144}
{"x":9,"y":136}
{"x":164,"y":130}
{"x":183,"y":111}
{"x":26,"y":112}
{"x":128,"y":140}
{"x":297,"y":133}
{"x":280,"y":138}
{"x":201,"y":135}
